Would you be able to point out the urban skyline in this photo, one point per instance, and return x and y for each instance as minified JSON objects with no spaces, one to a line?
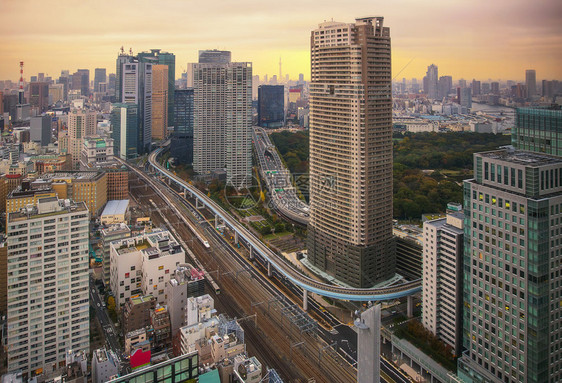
{"x":501,"y":47}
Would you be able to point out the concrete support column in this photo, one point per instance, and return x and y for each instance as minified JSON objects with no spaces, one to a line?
{"x":269,"y":269}
{"x":368,"y":345}
{"x":410,"y":305}
{"x":236,"y":238}
{"x":305,"y":300}
{"x":216,"y":221}
{"x":251,"y":252}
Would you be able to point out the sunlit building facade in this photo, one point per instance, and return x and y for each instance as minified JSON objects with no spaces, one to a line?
{"x":350,"y":227}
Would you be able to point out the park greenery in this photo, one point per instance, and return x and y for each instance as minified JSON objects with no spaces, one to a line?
{"x":428,"y":167}
{"x":414,"y":332}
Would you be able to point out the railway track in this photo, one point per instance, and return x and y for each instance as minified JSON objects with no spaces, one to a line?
{"x":240,"y":291}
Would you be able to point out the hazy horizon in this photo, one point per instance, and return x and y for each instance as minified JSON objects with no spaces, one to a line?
{"x":465,"y":39}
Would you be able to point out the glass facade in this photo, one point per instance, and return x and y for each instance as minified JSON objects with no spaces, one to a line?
{"x":512,"y":317}
{"x":126,"y":130}
{"x":183,"y":368}
{"x":182,"y":138}
{"x":271,"y":106}
{"x":538,"y":130}
{"x":169,"y":59}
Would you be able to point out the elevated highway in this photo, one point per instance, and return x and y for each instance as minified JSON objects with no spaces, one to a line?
{"x":278,"y":179}
{"x":258,"y":248}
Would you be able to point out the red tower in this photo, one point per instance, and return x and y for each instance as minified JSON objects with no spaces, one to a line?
{"x":20,"y":94}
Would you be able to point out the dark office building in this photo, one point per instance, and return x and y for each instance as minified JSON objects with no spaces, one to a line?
{"x":99,"y":76}
{"x":39,"y":95}
{"x":81,"y":81}
{"x":214,"y":57}
{"x":127,"y":134}
{"x":271,"y":106}
{"x":409,"y":257}
{"x":182,"y":138}
{"x":10,"y":102}
{"x":40,"y":129}
{"x":538,"y":130}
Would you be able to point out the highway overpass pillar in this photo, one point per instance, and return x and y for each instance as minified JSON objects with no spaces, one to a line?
{"x":368,"y":345}
{"x":251,"y":252}
{"x":305,"y":300}
{"x":216,"y":221}
{"x":197,"y":204}
{"x":236,"y":238}
{"x":410,"y":306}
{"x":269,"y":269}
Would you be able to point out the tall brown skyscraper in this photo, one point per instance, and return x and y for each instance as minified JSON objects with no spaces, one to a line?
{"x":159,"y":101}
{"x":350,"y":228}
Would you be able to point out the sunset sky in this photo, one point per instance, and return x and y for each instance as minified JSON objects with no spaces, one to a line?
{"x":468,"y":39}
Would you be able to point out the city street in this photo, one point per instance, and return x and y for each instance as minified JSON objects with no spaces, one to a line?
{"x":109,"y":332}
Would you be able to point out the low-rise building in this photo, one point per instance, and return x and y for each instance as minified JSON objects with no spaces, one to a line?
{"x":183,"y":368}
{"x":115,"y":212}
{"x":117,"y":182}
{"x":155,"y":254}
{"x":136,"y":312}
{"x":105,"y":365}
{"x":185,"y":282}
{"x":137,"y":339}
{"x":95,"y":151}
{"x":27,"y":194}
{"x":247,"y":370}
{"x":49,"y":163}
{"x":87,"y":186}
{"x":215,"y":339}
{"x":162,"y":334}
{"x":109,"y":234}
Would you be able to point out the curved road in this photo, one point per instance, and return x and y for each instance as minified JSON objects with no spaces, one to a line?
{"x":309,"y":284}
{"x":278,"y":179}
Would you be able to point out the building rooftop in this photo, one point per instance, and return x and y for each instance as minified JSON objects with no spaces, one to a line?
{"x":153,"y":245}
{"x":138,"y":299}
{"x":102,"y":355}
{"x":521,"y":157}
{"x":442,"y":223}
{"x":47,"y":207}
{"x":116,"y":207}
{"x":134,"y":333}
{"x":185,"y":273}
{"x":75,"y":175}
{"x":115,"y":229}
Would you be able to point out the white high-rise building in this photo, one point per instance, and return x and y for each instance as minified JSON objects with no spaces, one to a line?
{"x":223,"y":119}
{"x":81,"y":123}
{"x":442,"y":277}
{"x":48,"y":299}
